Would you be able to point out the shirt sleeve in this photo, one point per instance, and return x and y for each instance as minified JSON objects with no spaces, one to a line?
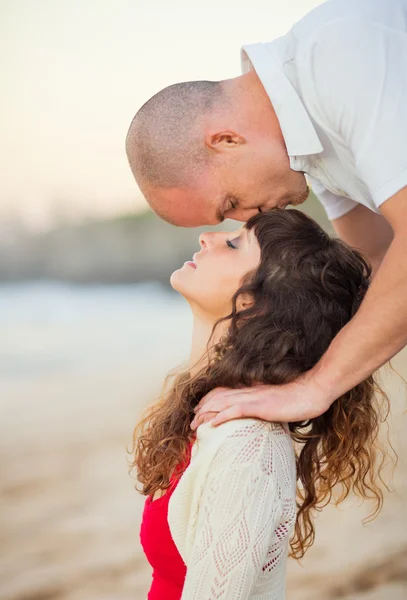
{"x":335,"y":206}
{"x":358,"y":70}
{"x":238,"y":513}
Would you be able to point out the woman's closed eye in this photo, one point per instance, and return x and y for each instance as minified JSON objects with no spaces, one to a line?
{"x":231,"y":244}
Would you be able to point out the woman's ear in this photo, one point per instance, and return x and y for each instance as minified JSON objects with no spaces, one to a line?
{"x":244,"y":301}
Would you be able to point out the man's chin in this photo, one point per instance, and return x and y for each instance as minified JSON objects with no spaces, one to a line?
{"x":297,"y":199}
{"x":302,"y":196}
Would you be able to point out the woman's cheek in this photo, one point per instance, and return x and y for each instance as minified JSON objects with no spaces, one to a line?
{"x":210,"y":280}
{"x":219,"y":276}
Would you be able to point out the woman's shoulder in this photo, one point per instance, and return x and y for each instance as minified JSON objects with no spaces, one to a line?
{"x":243,"y":442}
{"x":242,"y":428}
{"x":239,"y":430}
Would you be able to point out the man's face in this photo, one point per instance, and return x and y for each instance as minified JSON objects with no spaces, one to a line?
{"x":231,"y":189}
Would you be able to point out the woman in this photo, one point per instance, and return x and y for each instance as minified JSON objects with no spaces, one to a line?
{"x":220,"y":511}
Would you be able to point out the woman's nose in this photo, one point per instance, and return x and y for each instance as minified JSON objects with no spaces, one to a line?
{"x":204,"y":239}
{"x":212,"y":239}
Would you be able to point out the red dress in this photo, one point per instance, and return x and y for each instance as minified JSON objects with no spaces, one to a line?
{"x":169,"y":569}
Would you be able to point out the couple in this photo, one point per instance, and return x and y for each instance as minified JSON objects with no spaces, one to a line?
{"x":287,"y":328}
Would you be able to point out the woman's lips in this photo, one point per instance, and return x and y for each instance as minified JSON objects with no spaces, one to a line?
{"x":192,"y":263}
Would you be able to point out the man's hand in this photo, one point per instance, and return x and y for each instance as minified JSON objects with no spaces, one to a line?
{"x":296,"y":401}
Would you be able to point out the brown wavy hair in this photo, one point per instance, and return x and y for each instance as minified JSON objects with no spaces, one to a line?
{"x":305,"y":289}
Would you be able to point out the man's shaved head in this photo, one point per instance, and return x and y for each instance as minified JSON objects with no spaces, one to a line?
{"x":165,"y":142}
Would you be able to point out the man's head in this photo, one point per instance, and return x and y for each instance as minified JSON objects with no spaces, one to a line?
{"x":203,"y":151}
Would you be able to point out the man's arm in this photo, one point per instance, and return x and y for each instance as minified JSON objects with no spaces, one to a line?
{"x":374,"y":335}
{"x":379,"y":329}
{"x":367,"y":231}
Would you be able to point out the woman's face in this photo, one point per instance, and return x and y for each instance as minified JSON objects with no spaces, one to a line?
{"x":215,"y":273}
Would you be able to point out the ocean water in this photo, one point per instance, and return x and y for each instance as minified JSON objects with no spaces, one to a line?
{"x":51,"y":327}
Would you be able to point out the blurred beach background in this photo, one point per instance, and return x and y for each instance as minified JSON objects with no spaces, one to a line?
{"x":88,"y":324}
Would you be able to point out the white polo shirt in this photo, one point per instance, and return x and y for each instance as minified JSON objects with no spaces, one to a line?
{"x":338,"y":84}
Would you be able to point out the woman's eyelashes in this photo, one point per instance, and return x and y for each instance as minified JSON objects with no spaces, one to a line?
{"x":231,"y":244}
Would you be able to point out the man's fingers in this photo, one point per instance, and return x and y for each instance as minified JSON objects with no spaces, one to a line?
{"x":224,"y":400}
{"x":202,"y":418}
{"x":216,"y":404}
{"x":210,"y":396}
{"x":236,"y":411}
{"x":215,"y":399}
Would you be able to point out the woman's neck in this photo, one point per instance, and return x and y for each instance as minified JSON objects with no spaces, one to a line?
{"x":202,"y":330}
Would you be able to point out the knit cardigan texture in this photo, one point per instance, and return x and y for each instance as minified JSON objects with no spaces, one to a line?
{"x":233,"y":511}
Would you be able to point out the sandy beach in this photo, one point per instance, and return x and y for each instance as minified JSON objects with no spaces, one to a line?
{"x":72,"y":387}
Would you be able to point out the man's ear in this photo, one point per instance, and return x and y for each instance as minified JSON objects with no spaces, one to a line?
{"x":223,"y":140}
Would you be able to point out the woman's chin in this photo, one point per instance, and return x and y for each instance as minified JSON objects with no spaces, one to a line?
{"x":177,"y":282}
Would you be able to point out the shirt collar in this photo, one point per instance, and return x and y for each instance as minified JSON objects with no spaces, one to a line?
{"x":298,"y":131}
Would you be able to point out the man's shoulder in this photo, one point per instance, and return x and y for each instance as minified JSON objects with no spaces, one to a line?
{"x":337,"y":14}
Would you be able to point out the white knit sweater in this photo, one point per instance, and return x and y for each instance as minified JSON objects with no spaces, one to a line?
{"x":233,"y":510}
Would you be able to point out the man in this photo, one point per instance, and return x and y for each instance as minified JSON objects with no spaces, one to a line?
{"x":325,"y":103}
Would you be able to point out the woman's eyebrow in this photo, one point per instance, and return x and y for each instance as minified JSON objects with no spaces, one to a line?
{"x":248,"y":236}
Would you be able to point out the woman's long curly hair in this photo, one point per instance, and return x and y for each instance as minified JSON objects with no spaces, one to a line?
{"x":305,"y":289}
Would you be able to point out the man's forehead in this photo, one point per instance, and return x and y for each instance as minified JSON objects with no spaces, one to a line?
{"x":181,"y":206}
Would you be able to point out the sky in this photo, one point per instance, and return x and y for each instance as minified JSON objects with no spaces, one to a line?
{"x":74,"y":72}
